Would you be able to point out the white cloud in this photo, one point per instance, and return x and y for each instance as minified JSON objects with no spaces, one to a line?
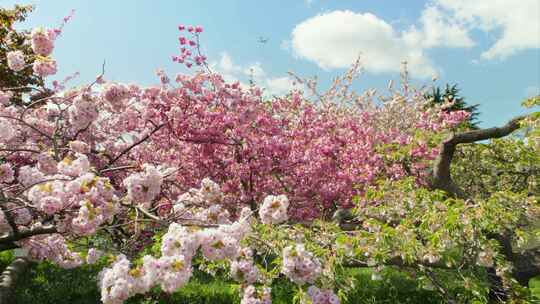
{"x":279,"y":85}
{"x":336,"y":39}
{"x":226,"y":64}
{"x":516,"y":23}
{"x":232,"y":72}
{"x":226,"y":68}
{"x":438,"y":30}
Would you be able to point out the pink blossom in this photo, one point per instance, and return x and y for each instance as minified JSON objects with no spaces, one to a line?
{"x":7,"y":130}
{"x":93,"y":255}
{"x":50,"y":205}
{"x":144,"y":187}
{"x":116,"y":94}
{"x":82,"y":112}
{"x":74,"y":167}
{"x":274,"y":209}
{"x":6,"y":173}
{"x":42,"y":41}
{"x":5,"y":97}
{"x":299,"y":265}
{"x":46,"y":163}
{"x":79,"y":147}
{"x":15,"y":60}
{"x":44,"y":66}
{"x":253,"y":296}
{"x":322,"y":296}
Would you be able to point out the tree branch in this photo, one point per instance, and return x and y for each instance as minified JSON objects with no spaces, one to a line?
{"x":441,"y":169}
{"x":27,"y":233}
{"x":133,"y":146}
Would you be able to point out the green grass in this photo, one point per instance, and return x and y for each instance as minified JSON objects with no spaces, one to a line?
{"x":45,"y":283}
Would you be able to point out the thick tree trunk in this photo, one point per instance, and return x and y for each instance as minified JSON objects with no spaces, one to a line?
{"x":9,"y":277}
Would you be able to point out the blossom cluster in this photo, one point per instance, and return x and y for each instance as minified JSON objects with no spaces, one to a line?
{"x":52,"y":247}
{"x":5,"y":97}
{"x":16,"y":60}
{"x":190,"y":52}
{"x":173,"y":269}
{"x":88,"y":200}
{"x":322,"y":296}
{"x":299,"y":265}
{"x":144,"y":187}
{"x":203,"y":205}
{"x":244,"y":269}
{"x":252,"y":295}
{"x":42,"y":44}
{"x":181,"y":243}
{"x":43,"y":41}
{"x":274,"y":209}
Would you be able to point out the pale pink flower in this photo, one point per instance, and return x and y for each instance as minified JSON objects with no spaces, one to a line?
{"x":42,"y":41}
{"x":7,"y":130}
{"x":93,"y":255}
{"x":74,"y":167}
{"x":50,"y":205}
{"x":5,"y":97}
{"x":322,"y":296}
{"x":299,"y":265}
{"x":274,"y":209}
{"x":79,"y":147}
{"x":6,"y":173}
{"x":253,"y":296}
{"x":44,"y":66}
{"x":15,"y":60}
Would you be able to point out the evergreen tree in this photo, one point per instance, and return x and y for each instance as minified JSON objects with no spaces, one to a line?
{"x":451,"y":94}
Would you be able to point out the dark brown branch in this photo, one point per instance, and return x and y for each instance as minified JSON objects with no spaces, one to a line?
{"x":441,"y":169}
{"x":140,"y":141}
{"x":27,"y":233}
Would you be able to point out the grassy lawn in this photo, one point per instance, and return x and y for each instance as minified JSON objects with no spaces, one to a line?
{"x":45,"y":283}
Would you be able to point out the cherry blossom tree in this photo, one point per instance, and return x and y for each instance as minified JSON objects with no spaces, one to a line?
{"x":195,"y":173}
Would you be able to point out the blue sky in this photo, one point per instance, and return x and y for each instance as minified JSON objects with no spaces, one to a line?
{"x":490,"y":48}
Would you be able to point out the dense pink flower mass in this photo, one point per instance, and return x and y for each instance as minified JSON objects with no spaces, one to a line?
{"x":320,"y":156}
